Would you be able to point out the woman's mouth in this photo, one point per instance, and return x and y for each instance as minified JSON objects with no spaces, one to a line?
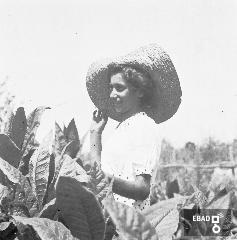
{"x":117,"y":102}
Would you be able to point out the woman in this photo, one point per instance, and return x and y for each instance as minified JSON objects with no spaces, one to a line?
{"x":139,"y":90}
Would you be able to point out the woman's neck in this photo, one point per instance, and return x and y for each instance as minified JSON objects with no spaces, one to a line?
{"x":129,"y":114}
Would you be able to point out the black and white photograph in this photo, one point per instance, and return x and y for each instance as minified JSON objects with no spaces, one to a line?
{"x":118,"y":119}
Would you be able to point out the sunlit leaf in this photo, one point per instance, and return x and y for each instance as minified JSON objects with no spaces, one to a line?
{"x":159,"y":209}
{"x":33,"y":122}
{"x":23,"y":194}
{"x":9,"y":151}
{"x":49,"y":210}
{"x":59,"y":141}
{"x":46,"y":228}
{"x":164,"y":216}
{"x":98,"y":182}
{"x":221,"y":203}
{"x":79,"y":209}
{"x":59,"y":161}
{"x":13,"y":174}
{"x":8,"y":124}
{"x":131,"y":225}
{"x":18,"y":127}
{"x":39,"y":168}
{"x":71,"y":168}
{"x":4,"y":191}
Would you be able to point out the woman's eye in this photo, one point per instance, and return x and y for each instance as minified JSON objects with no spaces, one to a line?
{"x":119,"y":88}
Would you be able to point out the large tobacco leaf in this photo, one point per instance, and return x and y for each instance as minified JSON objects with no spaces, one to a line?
{"x":9,"y":151}
{"x":98,"y":182}
{"x":71,"y":132}
{"x":65,"y":166}
{"x":39,"y":168}
{"x":79,"y":209}
{"x":18,"y":127}
{"x":130,"y":224}
{"x":46,"y":228}
{"x":59,"y":160}
{"x":164,"y":216}
{"x":33,"y":122}
{"x":12,"y":173}
{"x":71,"y":135}
{"x":23,"y":197}
{"x":60,"y":140}
{"x":72,"y":169}
{"x":55,"y":166}
{"x":222,"y":202}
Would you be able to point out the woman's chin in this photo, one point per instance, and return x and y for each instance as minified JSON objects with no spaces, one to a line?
{"x":118,"y":110}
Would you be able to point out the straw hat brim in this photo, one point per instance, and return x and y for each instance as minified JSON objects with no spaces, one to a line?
{"x":154,"y":60}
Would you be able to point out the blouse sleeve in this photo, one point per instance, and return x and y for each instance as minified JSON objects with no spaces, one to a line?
{"x":145,"y":149}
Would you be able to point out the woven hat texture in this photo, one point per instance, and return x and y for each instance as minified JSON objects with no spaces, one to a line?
{"x":152,"y":59}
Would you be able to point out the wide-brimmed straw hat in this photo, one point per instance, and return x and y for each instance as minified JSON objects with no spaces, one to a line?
{"x":166,"y":97}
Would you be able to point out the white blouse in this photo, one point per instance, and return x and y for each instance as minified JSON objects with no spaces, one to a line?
{"x":133,"y":149}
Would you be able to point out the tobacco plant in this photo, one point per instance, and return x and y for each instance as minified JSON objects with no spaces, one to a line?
{"x":47,"y":192}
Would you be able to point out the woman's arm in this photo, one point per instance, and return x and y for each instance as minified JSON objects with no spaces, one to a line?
{"x":97,"y":126}
{"x":137,"y":190}
{"x":95,"y":146}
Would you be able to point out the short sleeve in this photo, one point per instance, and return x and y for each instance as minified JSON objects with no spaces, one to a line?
{"x":144,"y":148}
{"x":145,"y":157}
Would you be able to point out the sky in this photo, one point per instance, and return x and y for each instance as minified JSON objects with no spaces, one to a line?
{"x":46,"y":48}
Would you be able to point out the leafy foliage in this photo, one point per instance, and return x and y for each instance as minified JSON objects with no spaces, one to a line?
{"x":33,"y":122}
{"x":46,"y":229}
{"x":9,"y":151}
{"x":18,"y":127}
{"x":130,"y":224}
{"x":46,"y":192}
{"x":79,"y":209}
{"x":39,"y":168}
{"x":63,"y":137}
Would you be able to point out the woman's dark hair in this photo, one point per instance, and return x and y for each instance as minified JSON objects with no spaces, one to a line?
{"x":139,"y":79}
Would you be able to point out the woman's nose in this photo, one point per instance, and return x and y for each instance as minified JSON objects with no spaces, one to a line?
{"x":113,"y":94}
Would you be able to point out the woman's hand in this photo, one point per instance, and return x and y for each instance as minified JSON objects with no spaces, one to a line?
{"x":99,"y":121}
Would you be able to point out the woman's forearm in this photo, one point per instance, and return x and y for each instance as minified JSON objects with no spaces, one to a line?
{"x":95,"y":146}
{"x":135,"y":190}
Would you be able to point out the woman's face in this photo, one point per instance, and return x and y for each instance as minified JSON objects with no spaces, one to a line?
{"x":125,"y":98}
